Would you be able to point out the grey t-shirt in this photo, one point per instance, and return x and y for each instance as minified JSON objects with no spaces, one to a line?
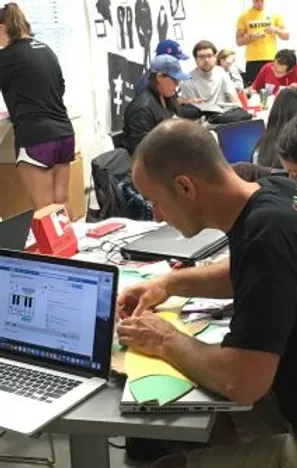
{"x":214,"y":86}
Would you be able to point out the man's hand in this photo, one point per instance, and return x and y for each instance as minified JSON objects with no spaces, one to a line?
{"x":145,"y":295}
{"x":184,"y":101}
{"x":256,"y":35}
{"x":270,"y":30}
{"x":145,"y":333}
{"x":197,"y":100}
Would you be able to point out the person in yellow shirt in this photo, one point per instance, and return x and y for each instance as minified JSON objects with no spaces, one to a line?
{"x":258,"y":30}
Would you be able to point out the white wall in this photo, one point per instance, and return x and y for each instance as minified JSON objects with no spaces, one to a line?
{"x":205,"y":19}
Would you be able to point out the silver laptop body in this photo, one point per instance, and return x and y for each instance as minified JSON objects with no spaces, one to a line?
{"x":196,"y":401}
{"x":167,"y":243}
{"x":56,"y":329}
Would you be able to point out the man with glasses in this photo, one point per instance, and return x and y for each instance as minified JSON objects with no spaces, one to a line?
{"x":210,"y":83}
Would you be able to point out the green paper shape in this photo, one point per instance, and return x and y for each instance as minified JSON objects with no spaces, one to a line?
{"x":161,"y":388}
{"x":116,"y":347}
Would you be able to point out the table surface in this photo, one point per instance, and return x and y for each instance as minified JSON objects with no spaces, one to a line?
{"x":100,"y":415}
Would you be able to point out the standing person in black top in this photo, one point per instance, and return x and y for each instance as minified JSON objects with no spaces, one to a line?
{"x":156,"y":103}
{"x":32,"y":84}
{"x":180,"y":168}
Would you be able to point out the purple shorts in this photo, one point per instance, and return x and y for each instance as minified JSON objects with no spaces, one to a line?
{"x":49,"y":154}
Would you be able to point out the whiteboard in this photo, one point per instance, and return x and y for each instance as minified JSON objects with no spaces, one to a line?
{"x":57,"y":23}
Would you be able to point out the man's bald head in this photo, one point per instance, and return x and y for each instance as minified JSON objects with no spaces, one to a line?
{"x":179,"y":146}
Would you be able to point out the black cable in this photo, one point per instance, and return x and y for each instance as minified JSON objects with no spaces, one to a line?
{"x":137,"y":234}
{"x":121,"y":447}
{"x":116,"y":244}
{"x":111,"y":254}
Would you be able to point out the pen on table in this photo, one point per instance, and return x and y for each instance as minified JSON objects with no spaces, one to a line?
{"x":206,"y":318}
{"x":215,"y":315}
{"x":195,"y":317}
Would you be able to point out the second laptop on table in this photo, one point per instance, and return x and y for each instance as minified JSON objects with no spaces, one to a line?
{"x":167,"y":243}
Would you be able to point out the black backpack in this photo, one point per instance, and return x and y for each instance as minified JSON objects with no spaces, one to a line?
{"x":108,"y":170}
{"x":235,"y":114}
{"x":114,"y":189}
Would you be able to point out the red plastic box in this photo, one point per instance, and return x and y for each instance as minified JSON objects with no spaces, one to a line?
{"x":53,"y":232}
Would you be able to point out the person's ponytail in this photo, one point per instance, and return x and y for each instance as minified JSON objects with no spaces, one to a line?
{"x":15,"y":21}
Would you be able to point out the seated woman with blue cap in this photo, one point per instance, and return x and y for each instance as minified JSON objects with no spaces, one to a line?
{"x":156,"y":103}
{"x":166,"y":47}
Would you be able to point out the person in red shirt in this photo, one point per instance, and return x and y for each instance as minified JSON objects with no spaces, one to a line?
{"x":278,"y":74}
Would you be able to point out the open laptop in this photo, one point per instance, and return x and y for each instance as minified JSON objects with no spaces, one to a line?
{"x":167,"y":243}
{"x":56,"y":329}
{"x":196,"y":401}
{"x":239,"y":140}
{"x":14,"y":231}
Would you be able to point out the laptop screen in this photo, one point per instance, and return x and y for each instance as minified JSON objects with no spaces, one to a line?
{"x":57,"y":310}
{"x":238,"y":140}
{"x":14,"y":231}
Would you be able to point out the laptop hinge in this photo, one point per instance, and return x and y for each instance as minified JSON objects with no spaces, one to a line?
{"x":49,"y":365}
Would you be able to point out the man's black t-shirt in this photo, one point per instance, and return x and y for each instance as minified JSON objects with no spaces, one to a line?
{"x":33,"y":86}
{"x":263,"y":248}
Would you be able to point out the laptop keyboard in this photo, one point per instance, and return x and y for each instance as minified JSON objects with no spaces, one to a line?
{"x":34,"y":384}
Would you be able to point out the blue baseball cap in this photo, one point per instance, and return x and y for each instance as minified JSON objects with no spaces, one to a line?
{"x":169,"y":66}
{"x":170,"y":47}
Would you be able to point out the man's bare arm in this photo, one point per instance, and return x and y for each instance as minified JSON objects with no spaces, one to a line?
{"x":183,"y":101}
{"x":209,"y":281}
{"x":239,"y":374}
{"x":242,"y":375}
{"x":242,"y":38}
{"x":283,"y":34}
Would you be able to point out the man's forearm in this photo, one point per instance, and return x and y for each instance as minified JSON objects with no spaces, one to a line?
{"x":282,"y":34}
{"x":243,"y":40}
{"x":183,"y":101}
{"x":209,"y":281}
{"x":202,"y":363}
{"x":224,"y":370}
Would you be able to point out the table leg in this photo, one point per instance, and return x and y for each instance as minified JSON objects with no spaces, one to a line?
{"x":88,"y":451}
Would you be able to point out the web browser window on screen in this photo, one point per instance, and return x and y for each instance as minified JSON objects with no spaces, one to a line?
{"x":53,"y":306}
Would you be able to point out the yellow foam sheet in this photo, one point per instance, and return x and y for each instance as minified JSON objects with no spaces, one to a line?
{"x":138,"y":365}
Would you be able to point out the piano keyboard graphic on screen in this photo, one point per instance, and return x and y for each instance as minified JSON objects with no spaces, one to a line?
{"x":22,"y":306}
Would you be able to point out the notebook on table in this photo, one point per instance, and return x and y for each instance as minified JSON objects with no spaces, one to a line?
{"x":196,"y":401}
{"x":167,"y":243}
{"x":56,"y":329}
{"x":14,"y":231}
